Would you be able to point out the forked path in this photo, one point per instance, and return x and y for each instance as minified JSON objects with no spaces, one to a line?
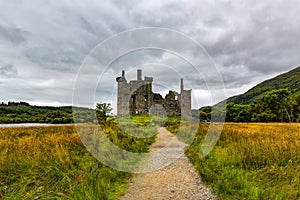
{"x":178,"y":180}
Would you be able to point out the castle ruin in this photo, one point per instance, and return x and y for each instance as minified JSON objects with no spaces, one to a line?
{"x":137,"y":97}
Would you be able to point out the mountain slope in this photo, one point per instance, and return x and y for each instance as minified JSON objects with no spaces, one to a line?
{"x":290,"y":80}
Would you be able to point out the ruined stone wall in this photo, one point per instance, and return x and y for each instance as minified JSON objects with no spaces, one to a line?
{"x":136,"y":97}
{"x":141,"y":97}
{"x":172,"y":104}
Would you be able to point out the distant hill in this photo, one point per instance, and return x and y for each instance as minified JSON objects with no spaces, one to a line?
{"x":22,"y":112}
{"x":274,"y":100}
{"x":290,"y":80}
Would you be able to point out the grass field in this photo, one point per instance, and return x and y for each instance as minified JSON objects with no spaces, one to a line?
{"x":251,"y":161}
{"x":52,"y":163}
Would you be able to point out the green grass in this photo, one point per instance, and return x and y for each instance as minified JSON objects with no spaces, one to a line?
{"x":251,"y":161}
{"x":52,"y":163}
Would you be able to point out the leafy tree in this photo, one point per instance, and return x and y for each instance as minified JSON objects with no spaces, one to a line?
{"x":274,"y":106}
{"x":237,"y":112}
{"x":243,"y":115}
{"x":57,"y":116}
{"x":296,"y":107}
{"x":103,"y":110}
{"x":279,"y":103}
{"x":205,"y":113}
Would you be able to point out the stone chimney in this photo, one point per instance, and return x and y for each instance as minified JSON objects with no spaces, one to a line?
{"x":139,"y":74}
{"x":181,"y":85}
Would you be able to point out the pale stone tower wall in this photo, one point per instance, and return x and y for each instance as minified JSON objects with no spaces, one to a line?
{"x":185,"y":102}
{"x":123,"y":95}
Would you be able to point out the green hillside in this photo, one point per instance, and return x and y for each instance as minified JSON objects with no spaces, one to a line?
{"x":290,"y":80}
{"x":274,"y":100}
{"x":22,"y":112}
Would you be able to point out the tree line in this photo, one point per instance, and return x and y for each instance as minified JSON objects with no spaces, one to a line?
{"x":21,"y":113}
{"x":273,"y":106}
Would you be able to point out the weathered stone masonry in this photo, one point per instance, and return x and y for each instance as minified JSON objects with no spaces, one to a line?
{"x":136,"y":97}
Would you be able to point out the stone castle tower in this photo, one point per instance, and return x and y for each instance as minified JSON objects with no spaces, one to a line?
{"x":136,"y":97}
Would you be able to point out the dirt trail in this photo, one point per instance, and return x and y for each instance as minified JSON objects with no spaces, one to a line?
{"x":176,"y":181}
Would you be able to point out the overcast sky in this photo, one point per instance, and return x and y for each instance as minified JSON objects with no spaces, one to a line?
{"x":44,"y":43}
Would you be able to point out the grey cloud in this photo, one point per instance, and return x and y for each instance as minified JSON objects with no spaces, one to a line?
{"x":87,"y":25}
{"x":263,"y":39}
{"x":53,"y":58}
{"x":248,"y":41}
{"x":13,"y":35}
{"x":8,"y":71}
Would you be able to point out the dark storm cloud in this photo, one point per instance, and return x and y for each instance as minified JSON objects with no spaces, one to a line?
{"x":46,"y":42}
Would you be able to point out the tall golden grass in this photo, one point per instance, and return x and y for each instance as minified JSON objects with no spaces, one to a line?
{"x":52,"y":163}
{"x":251,"y":161}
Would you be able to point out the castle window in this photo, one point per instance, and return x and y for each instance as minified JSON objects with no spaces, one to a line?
{"x":133,"y":98}
{"x":176,"y":97}
{"x":146,"y":97}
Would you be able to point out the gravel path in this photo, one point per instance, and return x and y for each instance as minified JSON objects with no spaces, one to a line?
{"x":169,"y":174}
